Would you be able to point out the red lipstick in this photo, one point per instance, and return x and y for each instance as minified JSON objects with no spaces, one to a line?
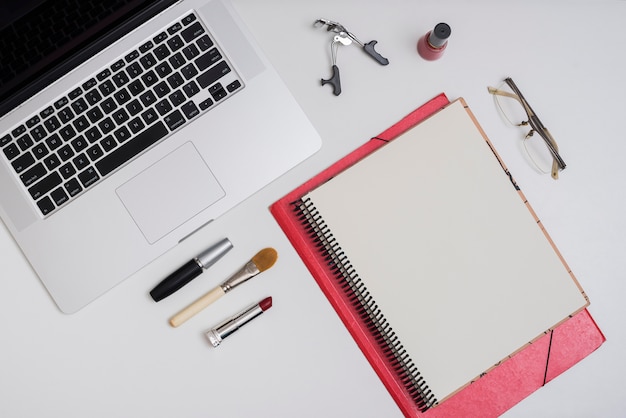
{"x":232,"y":324}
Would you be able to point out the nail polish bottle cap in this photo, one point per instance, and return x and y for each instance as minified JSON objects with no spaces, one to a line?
{"x":439,"y":36}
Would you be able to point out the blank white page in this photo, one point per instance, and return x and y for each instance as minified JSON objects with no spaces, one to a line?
{"x":448,"y":249}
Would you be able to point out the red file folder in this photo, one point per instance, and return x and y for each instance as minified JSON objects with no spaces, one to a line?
{"x":493,"y":393}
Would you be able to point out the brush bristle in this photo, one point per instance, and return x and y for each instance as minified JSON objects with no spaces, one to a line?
{"x":265,"y":258}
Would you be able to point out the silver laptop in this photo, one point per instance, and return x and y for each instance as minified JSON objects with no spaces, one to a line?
{"x":126,"y":126}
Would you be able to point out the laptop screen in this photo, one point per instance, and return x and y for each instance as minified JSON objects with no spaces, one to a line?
{"x":39,"y":39}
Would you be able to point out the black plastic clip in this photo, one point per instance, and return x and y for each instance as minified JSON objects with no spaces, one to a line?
{"x":334,"y":81}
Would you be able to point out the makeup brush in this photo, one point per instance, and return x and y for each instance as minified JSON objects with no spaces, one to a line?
{"x":262,"y":261}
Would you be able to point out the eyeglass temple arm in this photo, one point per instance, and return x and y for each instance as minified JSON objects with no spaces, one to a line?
{"x":536,"y":124}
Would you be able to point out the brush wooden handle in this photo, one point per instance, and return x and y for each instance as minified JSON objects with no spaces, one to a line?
{"x":197,"y":306}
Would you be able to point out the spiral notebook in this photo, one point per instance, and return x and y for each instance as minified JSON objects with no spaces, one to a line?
{"x":435,"y":264}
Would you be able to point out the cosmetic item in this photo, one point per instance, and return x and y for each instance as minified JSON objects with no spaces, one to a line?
{"x":232,"y":324}
{"x":190,"y":270}
{"x":262,"y":261}
{"x":432,"y":45}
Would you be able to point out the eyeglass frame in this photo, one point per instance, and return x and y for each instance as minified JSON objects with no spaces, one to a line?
{"x":535,"y":124}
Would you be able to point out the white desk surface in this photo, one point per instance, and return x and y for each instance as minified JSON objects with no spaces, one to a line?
{"x":119,"y":358}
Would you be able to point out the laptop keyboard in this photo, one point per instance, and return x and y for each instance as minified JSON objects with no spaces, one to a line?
{"x":107,"y":120}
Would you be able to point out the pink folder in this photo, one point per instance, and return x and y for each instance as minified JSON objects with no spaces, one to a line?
{"x":494,"y":392}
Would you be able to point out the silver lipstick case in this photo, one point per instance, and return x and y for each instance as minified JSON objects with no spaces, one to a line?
{"x":232,"y":324}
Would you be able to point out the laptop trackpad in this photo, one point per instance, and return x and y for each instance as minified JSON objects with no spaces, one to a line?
{"x":170,"y":192}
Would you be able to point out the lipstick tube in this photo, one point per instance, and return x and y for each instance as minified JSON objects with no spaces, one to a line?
{"x":232,"y":324}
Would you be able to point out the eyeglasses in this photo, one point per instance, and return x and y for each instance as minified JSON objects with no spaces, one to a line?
{"x":543,"y":152}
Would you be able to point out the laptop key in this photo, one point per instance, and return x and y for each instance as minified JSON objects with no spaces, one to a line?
{"x":66,"y":152}
{"x":149,"y":116}
{"x":52,"y":124}
{"x":174,"y":28}
{"x":218,"y":93}
{"x":75,"y":93}
{"x":160,"y":38}
{"x":32,"y":121}
{"x":148,"y":60}
{"x":146,"y":47}
{"x":73,"y":187}
{"x":106,"y":88}
{"x":23,"y":162}
{"x":122,"y":96}
{"x":79,"y":143}
{"x":95,"y":114}
{"x":189,"y":19}
{"x":88,"y":177}
{"x":133,"y":55}
{"x":18,"y":131}
{"x":108,"y":105}
{"x":40,"y":151}
{"x":89,"y":84}
{"x":67,"y":132}
{"x":103,"y":74}
{"x":51,"y":162}
{"x":190,"y":110}
{"x":95,"y":152}
{"x":59,"y":196}
{"x":131,"y":148}
{"x":204,"y":105}
{"x":175,"y":43}
{"x":108,"y":143}
{"x":33,"y":174}
{"x":213,"y":74}
{"x":5,"y":140}
{"x":118,"y":65}
{"x":25,"y":142}
{"x":120,"y":79}
{"x":134,"y":70}
{"x":175,"y":80}
{"x":93,"y":97}
{"x":191,"y":51}
{"x":161,"y":52}
{"x":66,"y":115}
{"x":233,"y":86}
{"x":81,"y":123}
{"x":147,"y":98}
{"x":67,"y":171}
{"x":136,"y":87}
{"x":46,"y":112}
{"x":93,"y":134}
{"x":149,"y":78}
{"x":45,"y":205}
{"x":189,"y":71}
{"x":45,"y":185}
{"x":192,"y":32}
{"x":174,"y":120}
{"x":177,"y":98}
{"x":122,"y":134}
{"x":177,"y":60}
{"x":204,"y":43}
{"x":209,"y":58}
{"x":191,"y":89}
{"x":38,"y":133}
{"x":136,"y":125}
{"x":54,"y":141}
{"x":81,"y":161}
{"x":134,"y":107}
{"x":61,"y":102}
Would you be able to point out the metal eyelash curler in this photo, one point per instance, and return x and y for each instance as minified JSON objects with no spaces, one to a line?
{"x":345,"y":37}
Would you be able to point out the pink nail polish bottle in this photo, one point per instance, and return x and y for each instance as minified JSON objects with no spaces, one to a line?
{"x":432,"y":45}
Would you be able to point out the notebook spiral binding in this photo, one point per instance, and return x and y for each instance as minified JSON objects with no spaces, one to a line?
{"x":365,"y":306}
